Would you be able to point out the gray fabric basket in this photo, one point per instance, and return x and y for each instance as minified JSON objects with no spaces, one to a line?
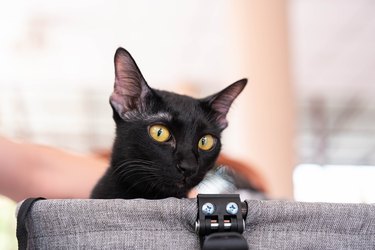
{"x":169,"y":224}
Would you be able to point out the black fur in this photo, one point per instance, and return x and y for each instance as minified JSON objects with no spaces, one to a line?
{"x":140,"y":166}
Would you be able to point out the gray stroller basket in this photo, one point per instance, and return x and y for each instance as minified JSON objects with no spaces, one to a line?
{"x":173,"y":224}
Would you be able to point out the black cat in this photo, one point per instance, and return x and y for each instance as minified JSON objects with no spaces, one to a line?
{"x":165,"y":143}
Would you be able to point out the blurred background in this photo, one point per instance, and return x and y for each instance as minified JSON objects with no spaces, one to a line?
{"x":304,"y":122}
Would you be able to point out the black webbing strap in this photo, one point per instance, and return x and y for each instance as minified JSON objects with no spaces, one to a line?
{"x":21,"y":221}
{"x":220,"y":222}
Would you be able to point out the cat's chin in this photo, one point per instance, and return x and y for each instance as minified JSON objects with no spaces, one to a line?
{"x":178,"y":189}
{"x":180,"y":185}
{"x":185,"y":185}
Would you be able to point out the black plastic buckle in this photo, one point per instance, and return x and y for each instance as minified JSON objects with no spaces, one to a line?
{"x":221,"y":222}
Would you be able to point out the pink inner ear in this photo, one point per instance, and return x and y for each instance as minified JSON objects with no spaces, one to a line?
{"x":221,"y":105}
{"x":220,"y":109}
{"x":222,"y":101}
{"x":118,"y":102}
{"x":222,"y":122}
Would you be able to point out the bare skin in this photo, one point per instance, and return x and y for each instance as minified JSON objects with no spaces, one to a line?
{"x":29,"y":170}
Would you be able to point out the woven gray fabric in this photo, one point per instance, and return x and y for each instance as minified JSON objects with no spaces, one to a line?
{"x":169,"y":224}
{"x":113,"y":224}
{"x":296,"y":225}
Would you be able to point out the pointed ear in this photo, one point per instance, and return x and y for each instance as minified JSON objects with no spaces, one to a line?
{"x":221,"y":102}
{"x":130,"y":88}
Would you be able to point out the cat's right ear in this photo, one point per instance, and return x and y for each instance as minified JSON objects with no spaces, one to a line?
{"x":130,"y":88}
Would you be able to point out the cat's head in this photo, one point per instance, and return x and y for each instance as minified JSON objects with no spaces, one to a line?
{"x":165,"y":143}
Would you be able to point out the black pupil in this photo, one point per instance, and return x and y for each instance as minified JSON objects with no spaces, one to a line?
{"x":160,"y":131}
{"x":204,"y":140}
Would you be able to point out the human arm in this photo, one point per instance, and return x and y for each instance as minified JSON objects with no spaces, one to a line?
{"x":30,"y":170}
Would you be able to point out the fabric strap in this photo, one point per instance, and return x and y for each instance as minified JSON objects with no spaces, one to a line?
{"x":21,"y":221}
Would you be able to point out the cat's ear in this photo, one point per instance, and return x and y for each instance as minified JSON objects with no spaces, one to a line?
{"x":220,"y":102}
{"x":130,"y":88}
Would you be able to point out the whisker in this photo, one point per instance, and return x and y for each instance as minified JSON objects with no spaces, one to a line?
{"x":139,"y":181}
{"x":146,"y":175}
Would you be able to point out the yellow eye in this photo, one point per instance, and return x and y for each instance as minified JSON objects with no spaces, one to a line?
{"x":159,"y":133}
{"x":206,"y":143}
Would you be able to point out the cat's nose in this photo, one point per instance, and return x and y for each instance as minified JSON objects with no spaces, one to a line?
{"x":186,"y":169}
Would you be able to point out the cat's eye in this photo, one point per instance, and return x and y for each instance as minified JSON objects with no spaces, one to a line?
{"x":206,"y":143}
{"x":159,"y":133}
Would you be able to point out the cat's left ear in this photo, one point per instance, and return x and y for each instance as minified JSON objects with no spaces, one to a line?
{"x":221,"y":102}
